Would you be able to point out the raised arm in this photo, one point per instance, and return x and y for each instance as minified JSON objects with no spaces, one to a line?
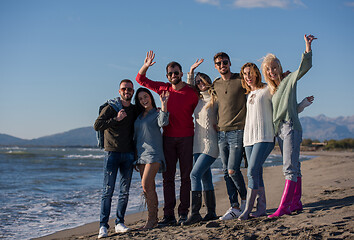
{"x":148,"y":62}
{"x":308,"y":41}
{"x":190,"y":78}
{"x":306,"y":61}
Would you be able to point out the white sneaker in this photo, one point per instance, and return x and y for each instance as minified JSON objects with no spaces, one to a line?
{"x":103,"y":232}
{"x":121,"y":228}
{"x":232,"y":213}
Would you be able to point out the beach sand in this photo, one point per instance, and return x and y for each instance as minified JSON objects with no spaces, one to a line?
{"x":328,"y":197}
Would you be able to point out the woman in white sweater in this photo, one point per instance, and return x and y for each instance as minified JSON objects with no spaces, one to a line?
{"x":258,"y":137}
{"x":205,"y":148}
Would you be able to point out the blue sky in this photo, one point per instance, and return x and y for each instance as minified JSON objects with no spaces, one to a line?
{"x":59,"y":60}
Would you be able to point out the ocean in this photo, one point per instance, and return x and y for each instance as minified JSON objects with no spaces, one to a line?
{"x":44,"y":190}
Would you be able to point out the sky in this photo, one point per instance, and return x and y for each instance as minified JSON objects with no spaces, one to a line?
{"x":61,"y":59}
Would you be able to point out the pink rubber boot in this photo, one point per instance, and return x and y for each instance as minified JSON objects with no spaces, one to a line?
{"x":296,"y":204}
{"x":286,"y":199}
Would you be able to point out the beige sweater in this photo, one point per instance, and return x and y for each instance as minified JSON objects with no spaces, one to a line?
{"x":205,"y":135}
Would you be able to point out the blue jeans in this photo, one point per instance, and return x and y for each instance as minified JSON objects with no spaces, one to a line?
{"x":201,"y":173}
{"x":113,"y":162}
{"x":231,"y":149}
{"x":289,"y":142}
{"x":256,"y":156}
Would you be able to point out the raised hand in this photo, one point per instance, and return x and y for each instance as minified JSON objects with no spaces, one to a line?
{"x":149,"y":60}
{"x":195,"y":65}
{"x":308,"y":40}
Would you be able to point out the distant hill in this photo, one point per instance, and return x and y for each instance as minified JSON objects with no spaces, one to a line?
{"x":325,"y":128}
{"x":319,"y":127}
{"x":10,"y":140}
{"x":85,"y":136}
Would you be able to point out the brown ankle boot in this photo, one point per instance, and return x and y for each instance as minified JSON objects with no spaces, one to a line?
{"x":152,"y":205}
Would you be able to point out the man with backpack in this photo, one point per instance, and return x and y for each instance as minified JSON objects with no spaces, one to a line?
{"x":116,"y":120}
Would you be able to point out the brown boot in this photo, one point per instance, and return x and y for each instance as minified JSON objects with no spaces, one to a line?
{"x":152,"y":205}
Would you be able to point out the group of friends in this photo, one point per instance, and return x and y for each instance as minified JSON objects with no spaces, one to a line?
{"x":203,"y":120}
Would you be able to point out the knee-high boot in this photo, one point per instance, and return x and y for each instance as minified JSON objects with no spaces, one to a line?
{"x":286,"y":199}
{"x":152,"y":206}
{"x":251,"y":197}
{"x":196,"y":205}
{"x":261,"y":204}
{"x":296,"y":204}
{"x":210,"y":202}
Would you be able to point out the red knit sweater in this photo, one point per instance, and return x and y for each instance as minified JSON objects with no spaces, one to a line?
{"x":180,"y":105}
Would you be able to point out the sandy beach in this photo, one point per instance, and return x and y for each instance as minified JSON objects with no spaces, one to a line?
{"x":328,"y":197}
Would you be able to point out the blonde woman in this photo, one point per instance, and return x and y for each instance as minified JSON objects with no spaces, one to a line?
{"x":287,"y":125}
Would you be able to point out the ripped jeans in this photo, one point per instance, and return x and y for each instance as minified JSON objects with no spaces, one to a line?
{"x":114,"y":162}
{"x":231,"y":149}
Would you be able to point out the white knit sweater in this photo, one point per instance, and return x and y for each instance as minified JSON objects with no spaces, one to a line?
{"x":205,"y":134}
{"x":259,"y":118}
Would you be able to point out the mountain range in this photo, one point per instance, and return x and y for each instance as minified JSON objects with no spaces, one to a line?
{"x":85,"y":136}
{"x":319,"y":128}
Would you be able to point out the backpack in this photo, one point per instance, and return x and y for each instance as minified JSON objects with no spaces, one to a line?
{"x":116,"y":104}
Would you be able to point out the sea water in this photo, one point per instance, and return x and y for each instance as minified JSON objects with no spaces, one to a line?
{"x":44,"y":190}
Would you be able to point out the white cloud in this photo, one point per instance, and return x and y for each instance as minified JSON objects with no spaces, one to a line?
{"x":267,"y":3}
{"x":349,"y":4}
{"x":299,"y":2}
{"x":261,"y":3}
{"x":211,"y":2}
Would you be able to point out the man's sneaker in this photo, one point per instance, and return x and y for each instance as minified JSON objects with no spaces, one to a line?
{"x":121,"y":228}
{"x":168,"y":221}
{"x":182,"y":219}
{"x":232,"y":213}
{"x":103,"y":232}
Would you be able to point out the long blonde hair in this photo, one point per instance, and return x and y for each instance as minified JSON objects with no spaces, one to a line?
{"x":267,"y":60}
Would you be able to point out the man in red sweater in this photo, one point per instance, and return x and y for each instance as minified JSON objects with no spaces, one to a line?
{"x":177,"y":136}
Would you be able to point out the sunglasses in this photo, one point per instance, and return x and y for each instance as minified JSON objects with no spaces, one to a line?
{"x":126,"y":89}
{"x":225,"y":62}
{"x":198,"y":82}
{"x":171,"y":73}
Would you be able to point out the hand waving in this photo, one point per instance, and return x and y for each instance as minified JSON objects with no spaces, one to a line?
{"x":308,"y":40}
{"x":148,"y":62}
{"x":196,"y":64}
